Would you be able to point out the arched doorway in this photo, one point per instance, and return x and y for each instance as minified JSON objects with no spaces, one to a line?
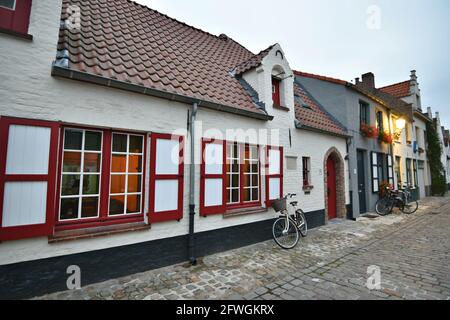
{"x":331,"y":188}
{"x":334,"y":187}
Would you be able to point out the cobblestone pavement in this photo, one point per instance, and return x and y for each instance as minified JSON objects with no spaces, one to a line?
{"x":412,"y":252}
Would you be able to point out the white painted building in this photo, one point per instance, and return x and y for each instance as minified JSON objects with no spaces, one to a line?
{"x":89,"y":165}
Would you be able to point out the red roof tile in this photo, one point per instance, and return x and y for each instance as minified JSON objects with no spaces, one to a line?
{"x":312,"y":115}
{"x":399,"y":90}
{"x":123,"y":40}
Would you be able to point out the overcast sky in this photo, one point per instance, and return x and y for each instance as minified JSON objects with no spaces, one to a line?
{"x":342,"y":38}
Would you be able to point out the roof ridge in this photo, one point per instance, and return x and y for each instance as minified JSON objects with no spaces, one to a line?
{"x":185,"y":24}
{"x":319,"y":77}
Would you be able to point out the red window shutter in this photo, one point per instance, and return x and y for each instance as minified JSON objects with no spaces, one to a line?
{"x":274,"y":174}
{"x":276,"y":92}
{"x":213,"y":178}
{"x":166,"y":178}
{"x":18,"y":19}
{"x":35,"y":179}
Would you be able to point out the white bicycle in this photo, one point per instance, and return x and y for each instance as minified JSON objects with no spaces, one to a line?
{"x":287,"y":227}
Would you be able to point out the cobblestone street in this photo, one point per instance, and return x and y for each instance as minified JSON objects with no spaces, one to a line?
{"x":412,"y":251}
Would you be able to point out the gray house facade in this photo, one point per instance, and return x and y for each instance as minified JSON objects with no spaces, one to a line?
{"x":370,"y":160}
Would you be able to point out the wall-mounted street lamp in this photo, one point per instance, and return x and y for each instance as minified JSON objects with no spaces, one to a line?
{"x":400,"y":124}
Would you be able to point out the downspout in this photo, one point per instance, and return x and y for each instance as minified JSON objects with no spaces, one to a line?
{"x":391,"y":150}
{"x":191,"y":240}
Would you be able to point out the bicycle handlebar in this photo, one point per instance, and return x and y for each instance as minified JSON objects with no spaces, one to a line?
{"x":291,"y":195}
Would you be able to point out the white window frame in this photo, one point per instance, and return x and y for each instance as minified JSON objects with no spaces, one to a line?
{"x":81,"y":173}
{"x":126,"y":173}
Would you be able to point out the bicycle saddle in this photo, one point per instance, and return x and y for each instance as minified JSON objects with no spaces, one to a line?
{"x":294,"y":203}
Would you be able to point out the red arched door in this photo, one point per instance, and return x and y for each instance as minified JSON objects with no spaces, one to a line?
{"x":331,"y":189}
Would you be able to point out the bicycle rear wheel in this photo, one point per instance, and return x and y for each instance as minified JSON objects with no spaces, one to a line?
{"x":411,"y":207}
{"x":301,"y":223}
{"x":285,"y":233}
{"x":384,"y":206}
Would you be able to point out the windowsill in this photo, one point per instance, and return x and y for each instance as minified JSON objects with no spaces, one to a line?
{"x":280,"y":107}
{"x":244,"y":211}
{"x":94,"y":232}
{"x":13,"y":33}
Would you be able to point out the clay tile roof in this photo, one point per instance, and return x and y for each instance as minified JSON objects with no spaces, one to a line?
{"x":253,"y":62}
{"x":399,"y":90}
{"x":126,"y":41}
{"x":319,"y":77}
{"x":311,"y":115}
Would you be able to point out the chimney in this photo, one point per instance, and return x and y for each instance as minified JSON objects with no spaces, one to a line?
{"x":430,"y":113}
{"x":368,"y":79}
{"x":356,"y":80}
{"x":413,"y":76}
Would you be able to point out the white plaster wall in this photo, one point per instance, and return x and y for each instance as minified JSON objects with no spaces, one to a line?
{"x":28,"y":90}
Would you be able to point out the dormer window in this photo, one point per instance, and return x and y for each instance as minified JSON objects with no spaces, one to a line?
{"x":15,"y":16}
{"x":276,"y":96}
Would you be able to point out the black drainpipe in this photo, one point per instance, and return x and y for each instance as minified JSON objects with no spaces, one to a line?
{"x":191,"y":240}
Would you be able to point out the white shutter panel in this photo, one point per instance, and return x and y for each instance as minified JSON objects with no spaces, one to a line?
{"x":375,"y":178}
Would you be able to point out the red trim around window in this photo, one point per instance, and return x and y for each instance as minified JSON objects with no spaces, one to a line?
{"x":268,"y":176}
{"x":168,"y":215}
{"x":28,"y":231}
{"x":206,"y":211}
{"x":276,"y":92}
{"x":103,"y":219}
{"x":18,"y":19}
{"x":242,"y":203}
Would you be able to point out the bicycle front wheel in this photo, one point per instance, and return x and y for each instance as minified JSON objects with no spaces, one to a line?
{"x":285,"y":233}
{"x":383,"y":206}
{"x":411,"y":207}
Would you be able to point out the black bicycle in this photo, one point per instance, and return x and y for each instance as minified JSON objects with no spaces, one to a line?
{"x":396,"y":199}
{"x":287,"y":227}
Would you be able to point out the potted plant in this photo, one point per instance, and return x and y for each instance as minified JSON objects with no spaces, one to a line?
{"x":369,"y":131}
{"x":385,"y":137}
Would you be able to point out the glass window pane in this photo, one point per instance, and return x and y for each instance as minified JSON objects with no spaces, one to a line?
{"x":255,"y":168}
{"x":89,"y":207}
{"x":235,"y":180}
{"x":119,"y":142}
{"x":134,"y":163}
{"x":91,"y":184}
{"x":134,"y":183}
{"x":133,"y":204}
{"x":93,"y":141}
{"x":135,"y":144}
{"x":246,"y":194}
{"x":70,"y":185}
{"x":118,"y":163}
{"x":10,"y":4}
{"x":69,"y":208}
{"x":255,"y":180}
{"x":255,"y":194}
{"x":116,"y":205}
{"x":72,"y":161}
{"x":117,"y":183}
{"x":73,"y":139}
{"x":91,"y":162}
{"x":235,"y":195}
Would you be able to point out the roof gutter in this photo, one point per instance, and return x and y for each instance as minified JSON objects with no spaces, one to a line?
{"x":117,"y":84}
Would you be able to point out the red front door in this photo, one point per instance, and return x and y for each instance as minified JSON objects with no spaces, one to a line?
{"x":331,"y":189}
